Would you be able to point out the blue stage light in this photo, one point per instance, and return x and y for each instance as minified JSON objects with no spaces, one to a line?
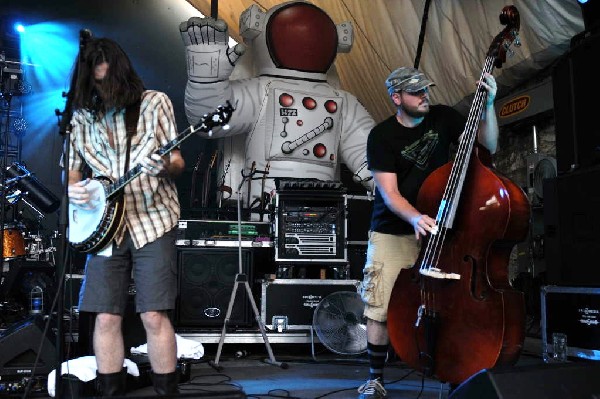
{"x":48,"y":51}
{"x":20,"y":27}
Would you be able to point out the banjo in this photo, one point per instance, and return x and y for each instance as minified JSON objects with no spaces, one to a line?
{"x":94,"y":225}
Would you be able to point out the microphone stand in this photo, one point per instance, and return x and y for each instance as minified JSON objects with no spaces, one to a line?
{"x":241,"y":277}
{"x":63,"y":255}
{"x":63,"y":222}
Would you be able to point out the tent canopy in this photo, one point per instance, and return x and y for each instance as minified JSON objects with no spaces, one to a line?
{"x":456,"y":39}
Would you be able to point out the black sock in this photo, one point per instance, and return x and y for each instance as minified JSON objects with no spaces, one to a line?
{"x":377,"y":355}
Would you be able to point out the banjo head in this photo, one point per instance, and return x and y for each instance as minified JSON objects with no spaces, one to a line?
{"x":84,"y":221}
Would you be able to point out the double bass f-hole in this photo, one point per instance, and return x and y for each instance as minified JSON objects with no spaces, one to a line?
{"x":478,"y":288}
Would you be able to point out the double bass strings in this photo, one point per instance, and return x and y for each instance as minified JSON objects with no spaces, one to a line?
{"x":432,"y":253}
{"x":451,"y":195}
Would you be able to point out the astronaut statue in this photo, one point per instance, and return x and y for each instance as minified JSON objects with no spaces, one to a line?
{"x":297,"y":125}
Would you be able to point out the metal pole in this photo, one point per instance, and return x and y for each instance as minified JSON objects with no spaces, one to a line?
{"x":241,"y":277}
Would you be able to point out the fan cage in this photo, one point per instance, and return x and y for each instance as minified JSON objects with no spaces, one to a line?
{"x":339,"y":322}
{"x":539,"y":167}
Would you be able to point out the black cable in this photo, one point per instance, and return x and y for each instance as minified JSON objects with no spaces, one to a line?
{"x":193,"y":385}
{"x":422,"y":33}
{"x":422,"y":386}
{"x":271,"y":394}
{"x":214,"y":9}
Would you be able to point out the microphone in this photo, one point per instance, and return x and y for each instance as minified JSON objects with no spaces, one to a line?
{"x":31,"y":188}
{"x":84,"y":36}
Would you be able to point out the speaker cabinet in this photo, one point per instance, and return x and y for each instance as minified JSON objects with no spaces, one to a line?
{"x":571,"y":220}
{"x":548,"y":381}
{"x":206,"y":280}
{"x":19,"y":345}
{"x":574,"y":79}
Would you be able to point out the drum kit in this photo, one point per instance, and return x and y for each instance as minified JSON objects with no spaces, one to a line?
{"x":18,"y":242}
{"x":28,"y":255}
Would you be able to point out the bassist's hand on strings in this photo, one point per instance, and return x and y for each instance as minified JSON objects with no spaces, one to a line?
{"x":489,"y":83}
{"x":423,"y":224}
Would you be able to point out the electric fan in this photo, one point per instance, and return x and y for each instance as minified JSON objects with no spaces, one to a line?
{"x":340,"y":324}
{"x":544,"y":169}
{"x":539,"y":167}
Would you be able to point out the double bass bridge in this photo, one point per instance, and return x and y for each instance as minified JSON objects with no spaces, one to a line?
{"x":434,"y":272}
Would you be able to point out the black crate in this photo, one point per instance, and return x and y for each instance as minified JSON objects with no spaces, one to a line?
{"x":289,"y":304}
{"x":574,"y":311}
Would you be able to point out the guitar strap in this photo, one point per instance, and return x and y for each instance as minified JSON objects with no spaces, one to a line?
{"x":132,"y":114}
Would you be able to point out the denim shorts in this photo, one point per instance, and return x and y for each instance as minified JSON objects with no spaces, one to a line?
{"x":107,"y":280}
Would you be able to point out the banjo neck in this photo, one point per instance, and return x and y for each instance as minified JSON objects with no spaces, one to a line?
{"x":220,"y":117}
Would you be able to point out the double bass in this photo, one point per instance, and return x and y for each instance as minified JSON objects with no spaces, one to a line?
{"x":455,"y":312}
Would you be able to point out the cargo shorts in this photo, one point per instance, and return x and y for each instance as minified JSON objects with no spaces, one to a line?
{"x":387,"y":255}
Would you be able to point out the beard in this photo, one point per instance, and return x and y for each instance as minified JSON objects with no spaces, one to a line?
{"x":414,"y":112}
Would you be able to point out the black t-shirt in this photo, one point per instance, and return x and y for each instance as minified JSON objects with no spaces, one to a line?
{"x":411,"y":153}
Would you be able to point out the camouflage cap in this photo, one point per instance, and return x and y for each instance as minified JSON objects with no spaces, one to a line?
{"x":407,"y":79}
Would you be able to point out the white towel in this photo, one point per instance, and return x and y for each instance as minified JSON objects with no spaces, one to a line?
{"x":186,"y":348}
{"x":84,"y":368}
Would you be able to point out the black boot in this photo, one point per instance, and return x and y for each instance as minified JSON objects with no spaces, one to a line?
{"x":165,"y":384}
{"x":111,"y":384}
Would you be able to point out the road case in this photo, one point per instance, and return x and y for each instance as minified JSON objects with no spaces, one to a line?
{"x":574,"y":311}
{"x":289,"y":304}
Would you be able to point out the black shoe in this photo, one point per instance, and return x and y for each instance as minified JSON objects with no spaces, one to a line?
{"x":111,"y":384}
{"x":165,"y":384}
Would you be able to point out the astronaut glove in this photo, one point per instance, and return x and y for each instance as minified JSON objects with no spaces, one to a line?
{"x":209,"y":58}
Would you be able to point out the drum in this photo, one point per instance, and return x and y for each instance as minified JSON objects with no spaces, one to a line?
{"x":13,"y":243}
{"x":34,"y":247}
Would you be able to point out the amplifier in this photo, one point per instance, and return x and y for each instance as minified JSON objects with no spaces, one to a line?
{"x":189,"y":231}
{"x":206,"y":281}
{"x":289,"y":304}
{"x":574,"y":311}
{"x":308,"y":184}
{"x":310,"y":227}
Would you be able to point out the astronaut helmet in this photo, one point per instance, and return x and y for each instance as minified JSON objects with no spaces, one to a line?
{"x":295,"y":38}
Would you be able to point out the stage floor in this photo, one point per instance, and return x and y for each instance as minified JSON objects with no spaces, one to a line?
{"x":324,"y":374}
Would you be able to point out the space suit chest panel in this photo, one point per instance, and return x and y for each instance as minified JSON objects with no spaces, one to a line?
{"x":305,"y":125}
